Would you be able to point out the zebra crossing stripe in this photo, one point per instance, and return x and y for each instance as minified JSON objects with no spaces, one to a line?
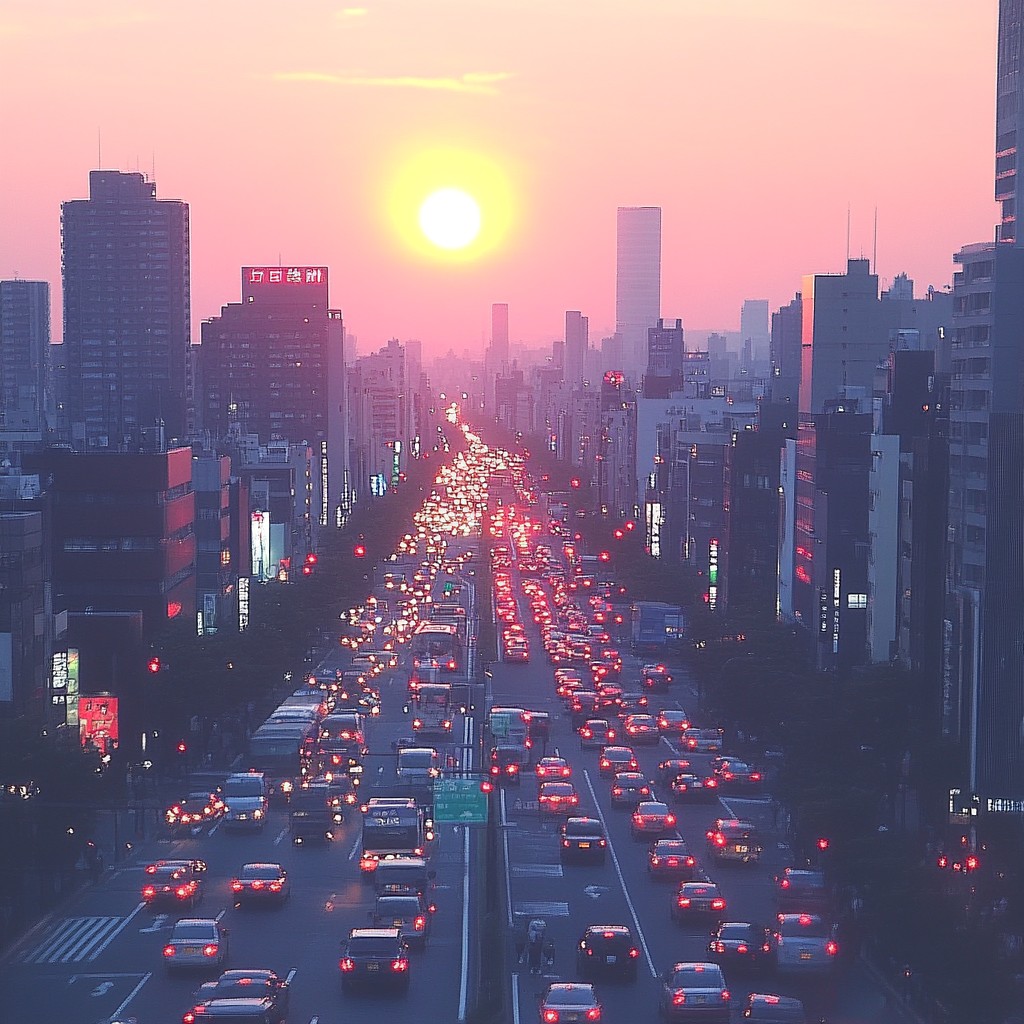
{"x":71,"y":940}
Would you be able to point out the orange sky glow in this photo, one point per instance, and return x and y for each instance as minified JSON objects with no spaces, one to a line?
{"x":310,"y":131}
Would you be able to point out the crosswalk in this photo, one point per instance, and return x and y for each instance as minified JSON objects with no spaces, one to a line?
{"x":73,"y":940}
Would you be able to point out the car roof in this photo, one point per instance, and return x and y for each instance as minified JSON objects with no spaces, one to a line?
{"x":374,"y":933}
{"x":259,"y":974}
{"x":618,"y":929}
{"x":580,"y":821}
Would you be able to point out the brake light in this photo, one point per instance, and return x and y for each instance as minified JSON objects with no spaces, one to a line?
{"x":755,"y":776}
{"x":634,"y":953}
{"x":784,"y":884}
{"x":275,"y":886}
{"x":182,"y":892}
{"x":257,"y":884}
{"x":566,"y":772}
{"x":550,"y":1017}
{"x":742,"y":948}
{"x":656,"y":860}
{"x":670,"y":819}
{"x":400,"y":965}
{"x":594,"y":1013}
{"x":804,"y":919}
{"x":616,"y":791}
{"x":419,"y":923}
{"x":169,"y":950}
{"x":565,"y":842}
{"x":210,"y":949}
{"x":148,"y":892}
{"x":417,"y":723}
{"x":719,"y":946}
{"x":188,"y":1018}
{"x":678,"y":998}
{"x":718,"y":903}
{"x":831,"y":948}
{"x":683,"y":901}
{"x":346,"y":964}
{"x":726,"y":995}
{"x":367,"y":864}
{"x":711,"y":783}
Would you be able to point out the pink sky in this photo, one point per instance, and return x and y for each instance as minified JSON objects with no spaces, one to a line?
{"x":752,"y":123}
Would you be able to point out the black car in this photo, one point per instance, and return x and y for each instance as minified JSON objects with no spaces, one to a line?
{"x":671,"y":859}
{"x":375,"y":957}
{"x":408,"y":912}
{"x":608,"y":951}
{"x":739,"y":945}
{"x":237,"y":1009}
{"x":583,"y":839}
{"x":174,"y":882}
{"x":766,"y":1008}
{"x":688,"y":788}
{"x":264,"y":987}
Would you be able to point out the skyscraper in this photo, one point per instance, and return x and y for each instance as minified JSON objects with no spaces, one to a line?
{"x":1009,"y":116}
{"x":24,"y":354}
{"x":754,"y":328}
{"x":665,"y":348}
{"x":126,"y":312}
{"x":577,"y":342}
{"x":637,"y":282}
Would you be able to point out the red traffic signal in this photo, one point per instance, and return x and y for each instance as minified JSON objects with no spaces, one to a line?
{"x":605,"y":556}
{"x":312,"y":559}
{"x":823,"y":844}
{"x":307,"y":570}
{"x":154,"y":665}
{"x":486,"y":786}
{"x":574,"y":483}
{"x":630,"y":525}
{"x":182,"y":747}
{"x":359,"y":551}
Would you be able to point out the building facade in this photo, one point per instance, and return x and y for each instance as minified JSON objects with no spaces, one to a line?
{"x":637,"y":283}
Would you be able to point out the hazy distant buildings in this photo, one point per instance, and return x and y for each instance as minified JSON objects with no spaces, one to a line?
{"x":273,"y":365}
{"x":754,"y":332}
{"x":126,"y":313}
{"x":25,"y":382}
{"x":637,"y":282}
{"x":616,"y":449}
{"x":784,"y":360}
{"x":665,"y":354}
{"x":577,"y":345}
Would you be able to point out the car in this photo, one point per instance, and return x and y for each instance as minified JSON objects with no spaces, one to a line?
{"x":596,"y":732}
{"x":584,"y":704}
{"x":607,"y":950}
{"x":703,"y":741}
{"x":767,"y":1008}
{"x":553,"y":768}
{"x":261,"y":883}
{"x":655,"y":677}
{"x":738,"y":777}
{"x":671,"y":858}
{"x":173,"y":882}
{"x":673,"y":723}
{"x":609,"y":697}
{"x":804,"y":944}
{"x":733,"y":840}
{"x":409,"y":913}
{"x":629,"y":788}
{"x":196,"y":942}
{"x":237,"y":1009}
{"x":506,"y":764}
{"x":652,"y":818}
{"x":569,"y":1003}
{"x":632,"y":702}
{"x":188,"y":816}
{"x":670,"y":768}
{"x":800,"y":890}
{"x":583,"y":839}
{"x":616,"y":759}
{"x":641,"y":729}
{"x":697,"y":901}
{"x":374,"y":956}
{"x":740,"y":945}
{"x":557,"y":798}
{"x":694,"y":991}
{"x":694,"y":789}
{"x":260,"y":986}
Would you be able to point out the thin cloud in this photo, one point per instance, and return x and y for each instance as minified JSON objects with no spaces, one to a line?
{"x":482,"y":83}
{"x":353,"y":12}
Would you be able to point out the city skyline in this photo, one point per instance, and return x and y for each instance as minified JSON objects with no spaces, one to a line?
{"x":287,"y":150}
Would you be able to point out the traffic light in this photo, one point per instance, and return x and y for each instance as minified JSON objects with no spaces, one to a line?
{"x":823,"y":844}
{"x":359,"y":551}
{"x":309,"y":565}
{"x":154,"y":664}
{"x":630,"y":525}
{"x":605,"y":556}
{"x":182,"y":747}
{"x":486,"y":786}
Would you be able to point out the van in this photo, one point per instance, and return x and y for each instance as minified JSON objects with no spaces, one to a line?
{"x":418,"y":764}
{"x":246,"y":796}
{"x":402,"y":876}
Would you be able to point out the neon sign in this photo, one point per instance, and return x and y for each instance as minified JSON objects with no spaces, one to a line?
{"x":284,"y":275}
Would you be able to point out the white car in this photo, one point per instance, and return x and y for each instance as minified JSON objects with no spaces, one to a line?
{"x":804,"y":944}
{"x":197,"y":942}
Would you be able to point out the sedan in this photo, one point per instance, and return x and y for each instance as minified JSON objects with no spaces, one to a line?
{"x":617,"y":759}
{"x":694,"y":991}
{"x":629,"y":788}
{"x":651,"y":818}
{"x":596,"y":732}
{"x":671,"y":858}
{"x":553,"y":768}
{"x":670,"y":768}
{"x":583,"y":839}
{"x":739,"y":946}
{"x":673,"y":723}
{"x":641,"y":729}
{"x":739,"y":777}
{"x":804,"y":944}
{"x":694,"y":789}
{"x":557,"y":798}
{"x":607,"y":949}
{"x":703,"y":741}
{"x":800,"y":890}
{"x":261,"y":883}
{"x":409,"y":913}
{"x":252,"y":984}
{"x":374,"y":956}
{"x":569,"y":1003}
{"x":196,"y":942}
{"x":698,"y":900}
{"x":175,"y":882}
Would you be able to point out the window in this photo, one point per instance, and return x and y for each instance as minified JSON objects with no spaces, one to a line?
{"x":856,"y":600}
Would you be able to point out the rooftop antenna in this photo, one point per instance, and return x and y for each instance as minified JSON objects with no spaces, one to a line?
{"x":874,"y":245}
{"x":99,"y":149}
{"x":153,"y":166}
{"x":847,"y":232}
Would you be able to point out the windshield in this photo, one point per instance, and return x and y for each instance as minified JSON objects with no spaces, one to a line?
{"x":570,"y":995}
{"x":804,"y":927}
{"x":371,"y":945}
{"x":243,"y":787}
{"x":696,"y":976}
{"x":194,"y":930}
{"x":263,"y":871}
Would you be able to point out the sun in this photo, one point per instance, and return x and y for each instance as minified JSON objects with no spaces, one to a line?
{"x":450,"y":218}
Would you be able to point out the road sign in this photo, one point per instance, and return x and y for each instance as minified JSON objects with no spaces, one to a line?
{"x":459,"y":802}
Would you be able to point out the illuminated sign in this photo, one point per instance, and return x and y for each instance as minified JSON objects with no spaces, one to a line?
{"x":836,"y":580}
{"x":615,"y":378}
{"x":713,"y":561}
{"x":324,"y":508}
{"x":284,"y":275}
{"x":259,"y":529}
{"x":378,"y":485}
{"x":655,"y":520}
{"x":98,"y":723}
{"x":396,"y":460}
{"x":243,"y":603}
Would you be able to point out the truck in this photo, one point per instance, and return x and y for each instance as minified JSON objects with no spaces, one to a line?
{"x":656,"y":625}
{"x":312,"y":814}
{"x":432,"y":709}
{"x":393,"y":827}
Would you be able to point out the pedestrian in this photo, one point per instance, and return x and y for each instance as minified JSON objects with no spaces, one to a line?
{"x":535,"y":944}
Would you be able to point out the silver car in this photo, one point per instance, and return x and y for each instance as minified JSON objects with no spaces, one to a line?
{"x":197,"y":942}
{"x":804,"y":944}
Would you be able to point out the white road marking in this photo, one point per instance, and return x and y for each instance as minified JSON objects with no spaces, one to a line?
{"x":504,"y":843}
{"x":221,"y":914}
{"x":542,"y":908}
{"x":515,"y":999}
{"x":355,"y":846}
{"x":281,"y":835}
{"x":464,"y":978}
{"x":114,"y":934}
{"x":537,"y":871}
{"x":131,"y":995}
{"x":290,"y":977}
{"x":622,"y":880}
{"x":157,"y":924}
{"x":215,"y":827}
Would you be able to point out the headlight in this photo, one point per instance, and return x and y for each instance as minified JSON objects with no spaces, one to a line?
{"x":286,"y":787}
{"x":257,"y":813}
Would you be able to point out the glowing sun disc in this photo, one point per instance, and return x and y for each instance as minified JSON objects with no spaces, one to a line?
{"x":450,"y":218}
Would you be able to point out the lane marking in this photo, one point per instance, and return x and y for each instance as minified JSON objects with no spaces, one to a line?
{"x":114,"y":934}
{"x":220,"y":915}
{"x":464,"y":977}
{"x":290,"y":976}
{"x":355,"y":846}
{"x":131,"y":995}
{"x":515,"y":999}
{"x":504,"y":843}
{"x":542,"y":908}
{"x":622,"y":880}
{"x":281,"y":835}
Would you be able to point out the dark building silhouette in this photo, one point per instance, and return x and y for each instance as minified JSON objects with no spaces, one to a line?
{"x":665,"y":355}
{"x":126,"y":313}
{"x":25,"y":384}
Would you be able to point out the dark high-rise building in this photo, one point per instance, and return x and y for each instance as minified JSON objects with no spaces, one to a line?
{"x":24,"y":354}
{"x":1009,"y":115}
{"x":273,"y":365}
{"x":126,"y":313}
{"x":577,"y":344}
{"x":784,"y":382}
{"x":665,"y":349}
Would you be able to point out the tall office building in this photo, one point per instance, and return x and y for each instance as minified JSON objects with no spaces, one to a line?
{"x":754,"y":329}
{"x":665,"y":353}
{"x":1009,"y":116}
{"x":126,"y":313}
{"x":274,"y":365}
{"x":24,"y":355}
{"x":637,"y":282}
{"x":784,"y":378}
{"x":577,"y":344}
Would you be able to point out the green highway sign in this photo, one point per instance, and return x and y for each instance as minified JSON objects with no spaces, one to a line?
{"x":459,"y":802}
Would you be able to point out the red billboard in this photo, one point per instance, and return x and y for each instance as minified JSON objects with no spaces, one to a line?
{"x":97,"y":718}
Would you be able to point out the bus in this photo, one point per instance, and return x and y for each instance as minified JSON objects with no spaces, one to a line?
{"x":432,"y":709}
{"x":436,"y":644}
{"x":281,"y":750}
{"x":393,"y":827}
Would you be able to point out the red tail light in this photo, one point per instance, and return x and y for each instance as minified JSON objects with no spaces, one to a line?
{"x":182,"y":892}
{"x":419,"y":923}
{"x":257,"y":884}
{"x":742,"y":948}
{"x":594,"y":1013}
{"x":678,"y":998}
{"x":784,"y":884}
{"x":188,"y":1018}
{"x":400,"y":965}
{"x":726,"y":995}
{"x":169,"y":950}
{"x":831,"y":948}
{"x":718,"y":904}
{"x":210,"y":949}
{"x":634,"y":953}
{"x":367,"y":864}
{"x":275,"y":887}
{"x":550,"y":1017}
{"x":148,"y":892}
{"x":683,"y":901}
{"x":755,"y":776}
{"x":670,"y":819}
{"x":346,"y":964}
{"x":719,"y":946}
